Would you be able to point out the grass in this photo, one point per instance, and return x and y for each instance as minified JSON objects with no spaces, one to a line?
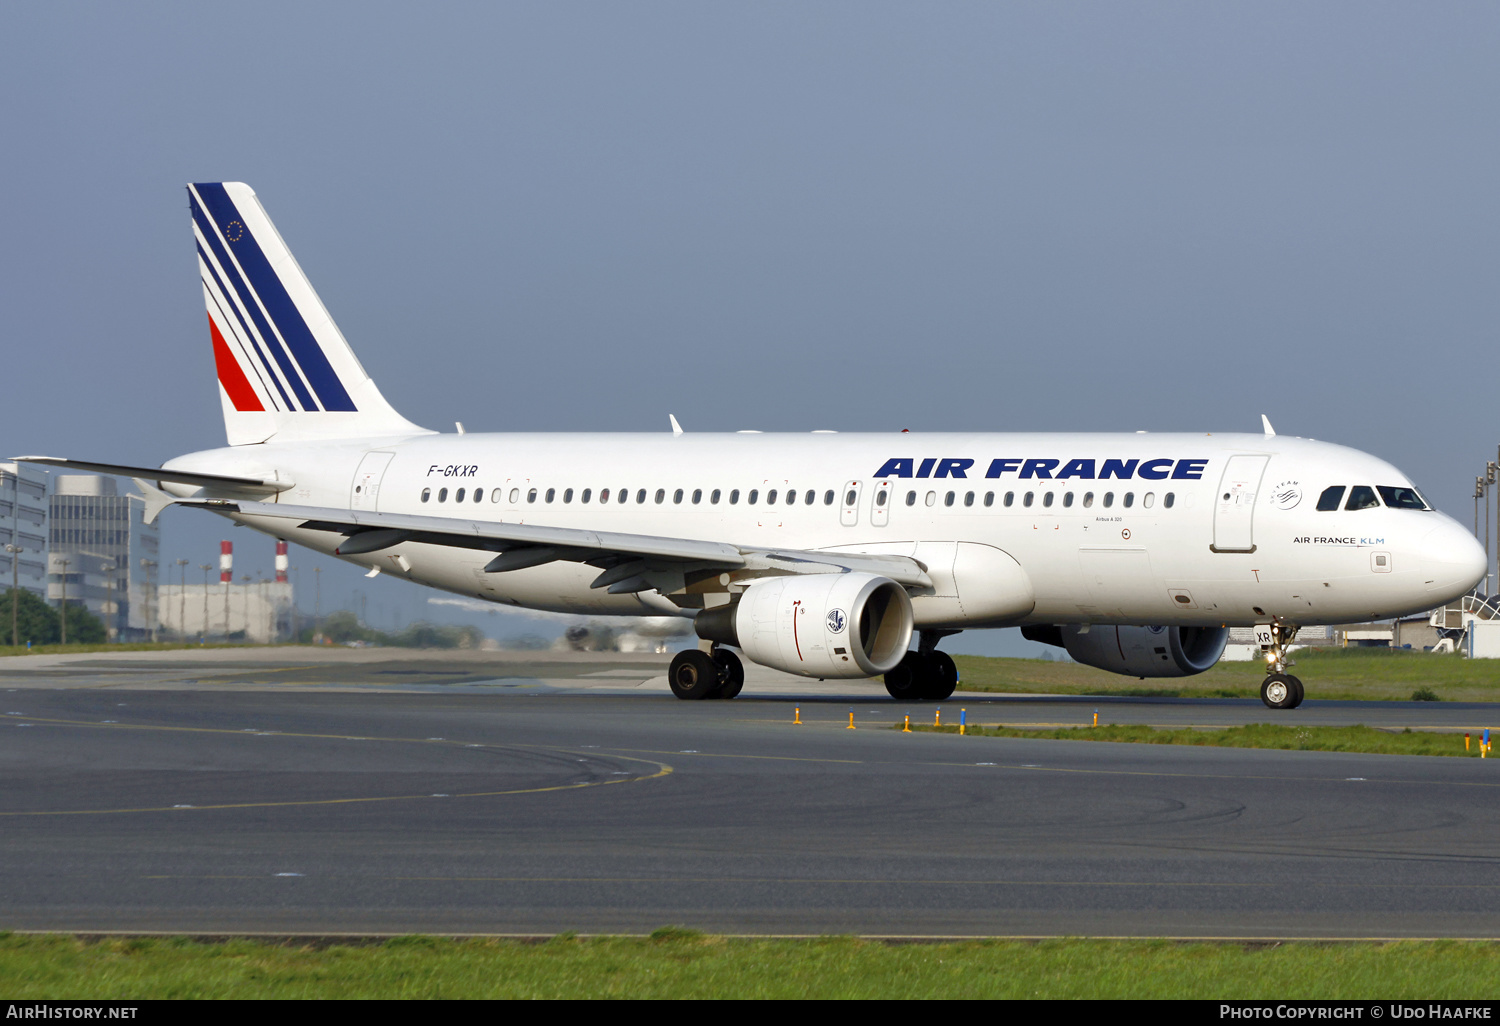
{"x":129,"y":646}
{"x":677,"y":963}
{"x":1335,"y":673}
{"x":1255,"y":735}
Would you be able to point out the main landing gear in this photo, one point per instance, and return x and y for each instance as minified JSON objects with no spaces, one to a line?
{"x":1280,"y":690}
{"x":924,"y":674}
{"x":698,"y":674}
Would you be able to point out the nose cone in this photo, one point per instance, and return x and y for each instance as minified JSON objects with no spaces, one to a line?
{"x":1453,"y":561}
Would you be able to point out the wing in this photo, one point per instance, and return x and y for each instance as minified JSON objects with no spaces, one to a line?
{"x":629,"y":562}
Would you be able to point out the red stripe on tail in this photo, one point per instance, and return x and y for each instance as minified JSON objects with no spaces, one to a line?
{"x":231,"y":377}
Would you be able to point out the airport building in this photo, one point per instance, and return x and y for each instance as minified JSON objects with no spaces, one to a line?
{"x":23,"y":528}
{"x":259,"y":611}
{"x":103,"y":555}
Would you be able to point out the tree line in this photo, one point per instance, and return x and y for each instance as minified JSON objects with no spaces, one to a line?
{"x":37,"y":623}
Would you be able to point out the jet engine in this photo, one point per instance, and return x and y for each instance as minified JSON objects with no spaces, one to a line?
{"x":817,"y":625}
{"x":1139,"y":651}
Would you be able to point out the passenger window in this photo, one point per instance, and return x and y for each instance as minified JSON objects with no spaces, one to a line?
{"x":1148,"y":500}
{"x":880,"y":498}
{"x":809,"y":498}
{"x":567,"y":495}
{"x":850,"y":496}
{"x":734,"y":497}
{"x":989,"y":498}
{"x":911,"y":498}
{"x":1109,"y":499}
{"x":426,"y":494}
{"x":754,"y":494}
{"x":531,"y":495}
{"x":1330,"y":499}
{"x":1088,"y":499}
{"x":624,"y":495}
{"x":1362,"y":497}
{"x":1129,"y":500}
{"x":497,"y":495}
{"x":968,"y":498}
{"x":1010,"y":498}
{"x":713,"y":497}
{"x":515,"y":496}
{"x":1168,"y":499}
{"x":1067,"y":500}
{"x":697,"y":496}
{"x":551,"y":494}
{"x":828,"y":498}
{"x":661,"y":494}
{"x":1402,"y":498}
{"x":677,"y":496}
{"x":1027,"y":500}
{"x":603,"y":496}
{"x":442,"y":495}
{"x":791,"y":496}
{"x":771,"y":497}
{"x":931,"y":498}
{"x":640,"y":497}
{"x":948,"y":499}
{"x":585,"y":496}
{"x":1047,"y":500}
{"x":479,"y":494}
{"x":459,"y":496}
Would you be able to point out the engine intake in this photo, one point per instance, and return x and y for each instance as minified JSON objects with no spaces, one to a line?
{"x":1146,"y":651}
{"x":817,"y":625}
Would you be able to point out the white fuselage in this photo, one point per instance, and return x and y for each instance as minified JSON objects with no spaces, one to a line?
{"x":1186,"y":529}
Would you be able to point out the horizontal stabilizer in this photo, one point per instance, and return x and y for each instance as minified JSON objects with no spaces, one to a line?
{"x":218,"y":481}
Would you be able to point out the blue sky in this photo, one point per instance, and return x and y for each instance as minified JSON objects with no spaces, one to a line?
{"x":866,"y":216}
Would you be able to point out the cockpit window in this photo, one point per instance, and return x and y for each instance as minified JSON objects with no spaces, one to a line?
{"x":1402,"y":498}
{"x":1330,"y":498}
{"x":1362,"y":497}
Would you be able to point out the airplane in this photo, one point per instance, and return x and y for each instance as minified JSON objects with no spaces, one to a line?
{"x":821,"y":554}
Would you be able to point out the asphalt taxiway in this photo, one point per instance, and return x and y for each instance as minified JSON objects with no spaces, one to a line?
{"x":297,"y":792}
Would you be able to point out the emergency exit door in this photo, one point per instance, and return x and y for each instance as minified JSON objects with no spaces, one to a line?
{"x":1234,"y":505}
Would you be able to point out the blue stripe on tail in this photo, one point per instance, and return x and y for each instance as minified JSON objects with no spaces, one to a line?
{"x":278,"y":303}
{"x":247,"y":298}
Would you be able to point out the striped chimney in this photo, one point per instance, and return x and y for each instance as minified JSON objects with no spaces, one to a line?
{"x":226,"y":562}
{"x":281,"y":561}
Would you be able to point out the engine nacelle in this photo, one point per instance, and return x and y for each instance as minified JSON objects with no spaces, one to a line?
{"x":817,"y":625}
{"x":1147,"y":651}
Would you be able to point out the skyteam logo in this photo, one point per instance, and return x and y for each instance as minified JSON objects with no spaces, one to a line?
{"x":1047,"y":469}
{"x":837,"y":621}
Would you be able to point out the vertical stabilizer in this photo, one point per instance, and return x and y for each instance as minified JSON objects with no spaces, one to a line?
{"x":285,"y":371}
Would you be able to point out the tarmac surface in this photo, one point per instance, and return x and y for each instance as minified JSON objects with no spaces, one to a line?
{"x":298,"y":791}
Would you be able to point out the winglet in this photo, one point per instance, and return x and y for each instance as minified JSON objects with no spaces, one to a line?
{"x":676,"y":427}
{"x":1266,"y":423}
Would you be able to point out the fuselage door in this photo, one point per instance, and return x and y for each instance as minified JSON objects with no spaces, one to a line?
{"x":880,"y":504}
{"x":365,"y":492}
{"x":849,"y":515}
{"x":1234,"y":505}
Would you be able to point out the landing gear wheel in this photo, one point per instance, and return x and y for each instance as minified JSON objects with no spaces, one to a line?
{"x":693,"y":674}
{"x":1297,"y":692}
{"x":731,"y":672}
{"x":942,"y":677}
{"x":1279,"y":691}
{"x":906,"y":679}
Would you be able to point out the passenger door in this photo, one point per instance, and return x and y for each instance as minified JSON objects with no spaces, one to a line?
{"x":1234,"y":505}
{"x":364,"y":493}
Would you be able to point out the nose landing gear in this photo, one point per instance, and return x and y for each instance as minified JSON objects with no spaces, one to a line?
{"x":1280,"y":690}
